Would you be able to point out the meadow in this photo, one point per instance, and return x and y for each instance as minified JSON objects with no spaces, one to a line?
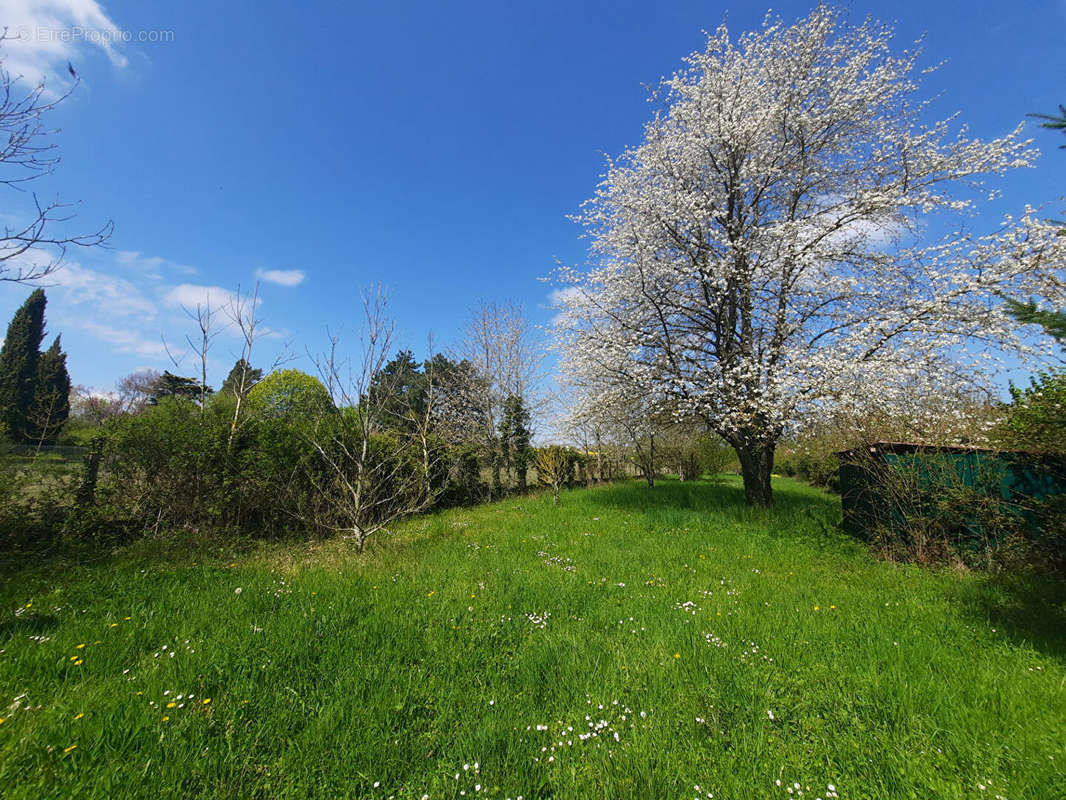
{"x":627,"y":643}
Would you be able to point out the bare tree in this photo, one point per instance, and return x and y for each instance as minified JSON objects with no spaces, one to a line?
{"x":27,"y":153}
{"x":499,"y":343}
{"x":241,"y":311}
{"x":205,"y":318}
{"x":375,"y":462}
{"x":135,"y":391}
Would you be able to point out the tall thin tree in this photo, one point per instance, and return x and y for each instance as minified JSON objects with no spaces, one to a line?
{"x":18,"y":365}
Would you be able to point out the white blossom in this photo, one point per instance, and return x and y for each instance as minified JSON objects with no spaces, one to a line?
{"x":790,"y":238}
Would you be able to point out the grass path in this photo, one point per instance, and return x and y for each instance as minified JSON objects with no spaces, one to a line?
{"x":626,"y":644}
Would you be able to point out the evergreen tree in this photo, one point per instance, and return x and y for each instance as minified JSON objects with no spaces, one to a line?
{"x":241,"y":379}
{"x":1053,"y":322}
{"x":515,"y":436}
{"x":170,"y":385}
{"x":1054,"y":122}
{"x":18,"y":365}
{"x":51,"y":400}
{"x":398,"y":392}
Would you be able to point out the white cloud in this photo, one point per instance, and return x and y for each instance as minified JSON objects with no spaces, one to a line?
{"x":46,"y":34}
{"x":559,"y":296}
{"x":111,"y":295}
{"x":282,"y":277}
{"x":151,"y":266}
{"x":125,"y":340}
{"x":190,"y":295}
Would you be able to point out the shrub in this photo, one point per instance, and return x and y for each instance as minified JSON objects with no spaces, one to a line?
{"x":1035,"y":420}
{"x":291,"y":396}
{"x":956,"y":506}
{"x":165,"y":467}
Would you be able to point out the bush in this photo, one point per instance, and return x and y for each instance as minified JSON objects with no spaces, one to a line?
{"x":715,"y":456}
{"x":1035,"y":420}
{"x":812,"y":461}
{"x":165,"y":467}
{"x":953,"y":507}
{"x":291,"y":396}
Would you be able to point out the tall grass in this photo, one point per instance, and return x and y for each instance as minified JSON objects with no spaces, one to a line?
{"x":627,"y":643}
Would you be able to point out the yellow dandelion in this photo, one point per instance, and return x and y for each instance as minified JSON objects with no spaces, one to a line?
{"x":127,"y":618}
{"x":816,"y":608}
{"x":28,"y":605}
{"x":78,"y":663}
{"x":832,"y":606}
{"x":78,"y":716}
{"x":430,"y":594}
{"x":68,"y":749}
{"x":207,"y":700}
{"x":80,"y":646}
{"x":677,"y":655}
{"x":1,"y":720}
{"x":114,"y":624}
{"x":166,"y":719}
{"x":140,"y":693}
{"x":73,"y":658}
{"x":171,"y":704}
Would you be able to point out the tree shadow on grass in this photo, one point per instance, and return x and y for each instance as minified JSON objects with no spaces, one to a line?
{"x":28,"y":624}
{"x":1029,"y":608}
{"x":799,"y":512}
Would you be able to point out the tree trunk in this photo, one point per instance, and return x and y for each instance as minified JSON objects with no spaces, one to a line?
{"x":497,"y":484}
{"x":756,"y":464}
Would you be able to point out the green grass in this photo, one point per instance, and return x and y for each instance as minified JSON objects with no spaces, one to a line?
{"x":335,"y":675}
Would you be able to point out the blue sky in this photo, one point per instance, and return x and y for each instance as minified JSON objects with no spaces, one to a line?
{"x":436,"y":148}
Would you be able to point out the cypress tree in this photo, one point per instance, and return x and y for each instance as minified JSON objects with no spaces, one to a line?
{"x":18,"y":365}
{"x":51,"y":401}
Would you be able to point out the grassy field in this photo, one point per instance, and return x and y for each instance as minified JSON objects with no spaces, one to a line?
{"x":630,"y":643}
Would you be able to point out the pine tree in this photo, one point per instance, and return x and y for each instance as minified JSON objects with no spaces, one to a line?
{"x":1056,"y":122}
{"x":240,"y":379}
{"x":1053,"y":322}
{"x":18,"y":365}
{"x":171,"y":385}
{"x":51,"y":401}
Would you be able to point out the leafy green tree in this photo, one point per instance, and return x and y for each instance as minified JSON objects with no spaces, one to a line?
{"x":170,"y":385}
{"x":51,"y":398}
{"x":18,"y":365}
{"x":515,"y":436}
{"x":290,"y":395}
{"x":1036,"y":417}
{"x":241,"y":379}
{"x":398,"y":392}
